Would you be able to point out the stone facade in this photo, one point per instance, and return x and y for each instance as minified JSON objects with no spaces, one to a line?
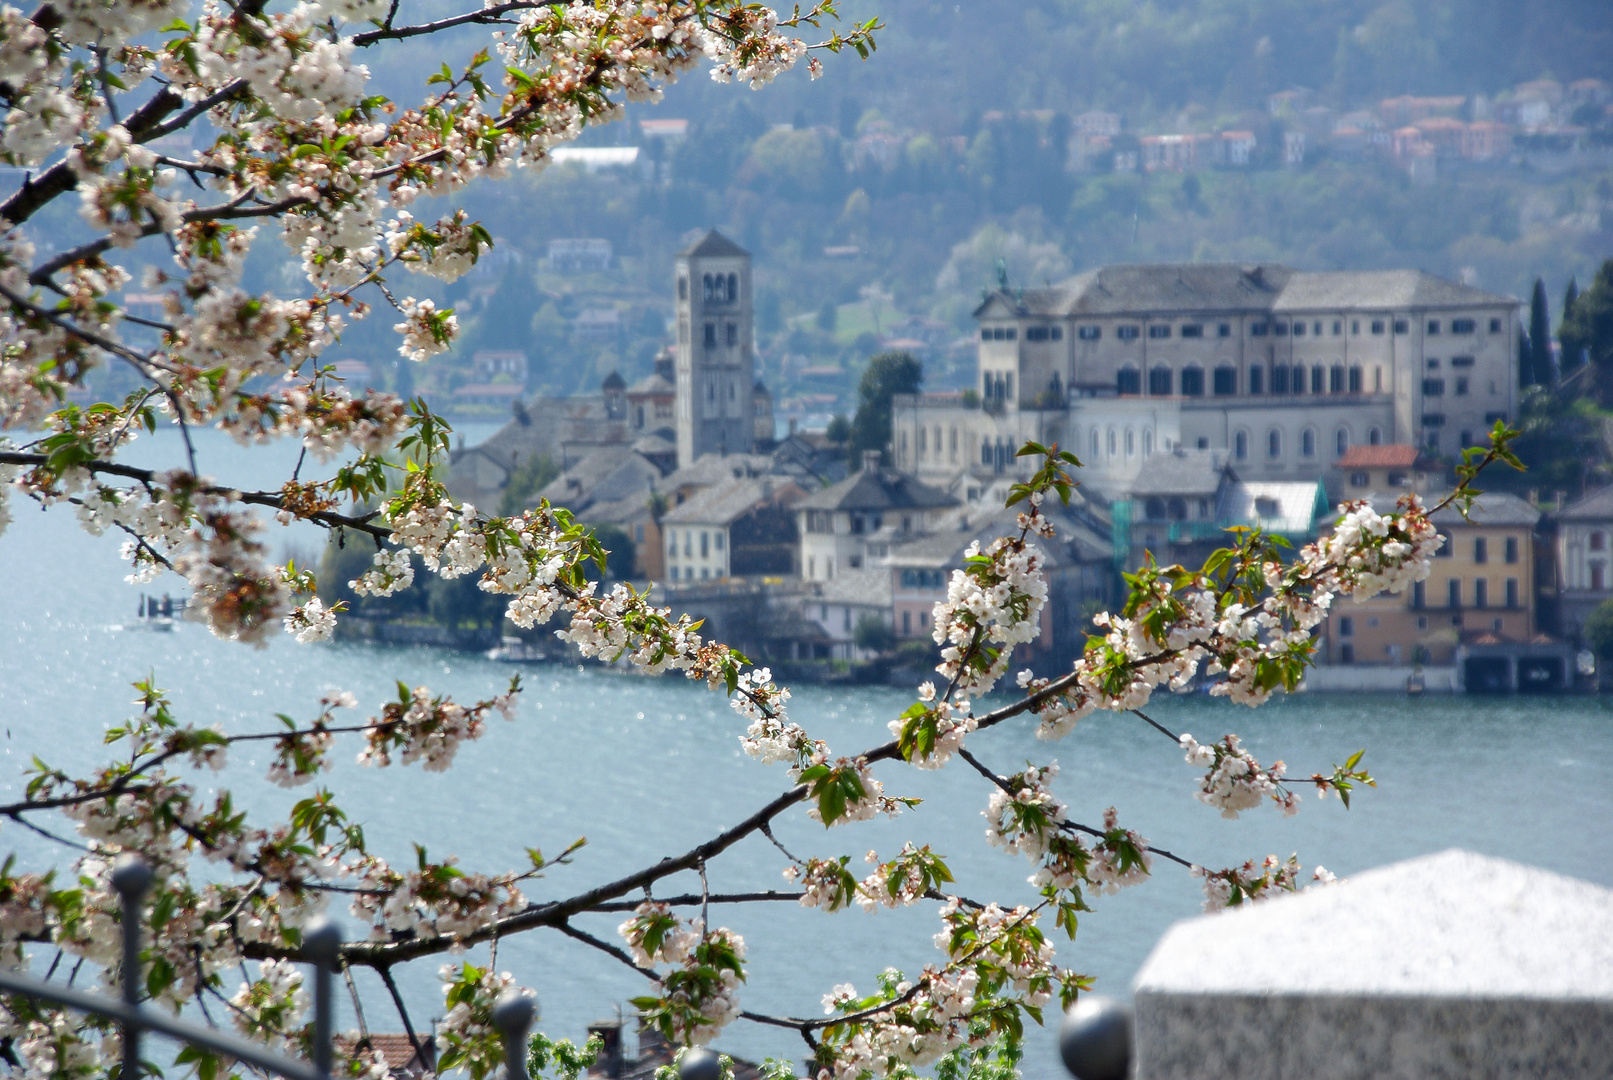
{"x":1284,"y":370}
{"x":715,"y":362}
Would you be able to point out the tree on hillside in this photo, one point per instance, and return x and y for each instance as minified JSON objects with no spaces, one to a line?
{"x":1539,"y":337}
{"x":294,"y":139}
{"x":887,"y":374}
{"x":1526,"y":360}
{"x":1570,"y":298}
{"x":1587,"y":331}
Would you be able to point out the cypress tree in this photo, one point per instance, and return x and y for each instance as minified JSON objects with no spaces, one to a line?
{"x":1526,"y":360}
{"x":1540,"y":334}
{"x":1572,"y":348}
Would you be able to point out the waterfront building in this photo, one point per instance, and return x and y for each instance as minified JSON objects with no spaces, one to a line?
{"x":1479,"y":594}
{"x":1584,"y":550}
{"x":742,"y":528}
{"x":1284,"y":370}
{"x":844,"y":526}
{"x":839,"y":604}
{"x":1393,"y":468}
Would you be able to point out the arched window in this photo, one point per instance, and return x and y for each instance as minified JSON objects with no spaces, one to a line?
{"x":1148,"y":442}
{"x":705,"y":288}
{"x":1193,"y":381}
{"x":1159,"y":382}
{"x":1341,"y":442}
{"x":921,"y":441}
{"x":1093,"y":442}
{"x":1113,"y":445}
{"x":985,"y":452}
{"x":1335,"y":379}
{"x":1256,"y":377}
{"x":1129,"y":381}
{"x":1299,"y":379}
{"x":1131,"y":442}
{"x":1307,"y":443}
{"x":1355,"y":378}
{"x":1240,"y":445}
{"x":1226,"y":380}
{"x":733,"y":287}
{"x":1374,"y":437}
{"x":1274,"y":443}
{"x":1279,"y":379}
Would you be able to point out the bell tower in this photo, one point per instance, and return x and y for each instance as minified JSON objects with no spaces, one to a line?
{"x":716,"y":367}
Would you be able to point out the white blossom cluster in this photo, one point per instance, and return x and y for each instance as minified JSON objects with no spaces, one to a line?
{"x":428,"y":730}
{"x":431,"y":901}
{"x":270,"y":1008}
{"x":466,"y":1035}
{"x":994,"y":603}
{"x":771,"y":736}
{"x":677,"y":939}
{"x":1025,"y":821}
{"x":1234,"y":781}
{"x":1108,"y":871}
{"x":447,"y":250}
{"x":932,"y":1021}
{"x":311,"y":621}
{"x":390,"y":571}
{"x":301,"y":756}
{"x":952,"y":719}
{"x":895,"y":884}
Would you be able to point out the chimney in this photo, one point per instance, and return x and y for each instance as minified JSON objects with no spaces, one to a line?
{"x":870,"y":461}
{"x":610,"y":1056}
{"x":793,"y":423}
{"x":767,"y":488}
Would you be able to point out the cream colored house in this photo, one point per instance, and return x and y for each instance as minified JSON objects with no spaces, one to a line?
{"x":845,"y":526}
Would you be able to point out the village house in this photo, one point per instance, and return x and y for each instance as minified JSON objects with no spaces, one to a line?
{"x":1584,"y":549}
{"x":742,"y":528}
{"x":838,"y":523}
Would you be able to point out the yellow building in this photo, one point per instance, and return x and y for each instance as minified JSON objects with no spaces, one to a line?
{"x":1479,"y":593}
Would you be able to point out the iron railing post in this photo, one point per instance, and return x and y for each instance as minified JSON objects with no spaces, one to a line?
{"x":512,"y":1015}
{"x":322,"y":942}
{"x":131,"y":877}
{"x":699,"y":1064}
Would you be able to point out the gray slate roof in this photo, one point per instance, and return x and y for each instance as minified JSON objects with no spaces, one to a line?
{"x":1376,"y":290}
{"x":1597,"y":506}
{"x":1491,"y":508}
{"x":722,"y":504}
{"x":878,"y":489}
{"x":1183,"y":471}
{"x":1199,"y":288}
{"x":713,"y":243}
{"x":870,"y":587}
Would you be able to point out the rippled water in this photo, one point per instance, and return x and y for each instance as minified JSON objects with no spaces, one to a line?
{"x":647,"y":768}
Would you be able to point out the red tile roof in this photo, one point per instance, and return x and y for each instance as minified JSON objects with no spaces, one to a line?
{"x":1392,"y":456}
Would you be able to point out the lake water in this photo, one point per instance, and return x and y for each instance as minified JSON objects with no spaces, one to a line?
{"x":646,"y":768}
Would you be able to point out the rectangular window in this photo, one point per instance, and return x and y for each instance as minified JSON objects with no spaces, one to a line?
{"x":1433,"y":327}
{"x":1224,"y":330}
{"x":1433,"y":420}
{"x":1226,"y":380}
{"x":733,"y":334}
{"x":1193,"y":382}
{"x":711,"y":335}
{"x":1462,"y":326}
{"x":1433,"y":387}
{"x":1010,"y":334}
{"x":1481,"y":593}
{"x":1281,"y":329}
{"x":1402,"y":326}
{"x":1256,"y":377}
{"x":1419,"y":600}
{"x":1512,"y":549}
{"x":1299,"y":329}
{"x":985,"y":333}
{"x":1057,"y":333}
{"x":1481,"y":550}
{"x":719,"y":540}
{"x":1036,"y":333}
{"x":1377,"y":326}
{"x":1512,"y":592}
{"x":1195,"y":330}
{"x":1355,"y":380}
{"x":1089,"y":333}
{"x":1461,"y":386}
{"x":1495,"y":326}
{"x":1461,"y":361}
{"x":1453,"y":593}
{"x":1126,"y":333}
{"x":1159,"y":330}
{"x":1355,"y":327}
{"x":1338,"y":327}
{"x":1346,"y":626}
{"x":703,"y":542}
{"x":1259,"y":329}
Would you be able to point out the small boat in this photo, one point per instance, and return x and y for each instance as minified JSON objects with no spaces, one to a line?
{"x":156,"y":615}
{"x":514,"y":650}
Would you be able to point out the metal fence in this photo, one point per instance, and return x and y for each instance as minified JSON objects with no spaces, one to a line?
{"x":1095,"y":1040}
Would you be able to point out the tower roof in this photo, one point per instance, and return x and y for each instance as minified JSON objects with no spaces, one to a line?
{"x":614,"y":381}
{"x":713,"y":243}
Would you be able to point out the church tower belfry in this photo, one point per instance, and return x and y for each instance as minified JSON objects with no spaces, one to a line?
{"x":716,"y":368}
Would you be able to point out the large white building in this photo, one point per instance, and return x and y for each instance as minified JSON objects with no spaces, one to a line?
{"x":1285,"y":370}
